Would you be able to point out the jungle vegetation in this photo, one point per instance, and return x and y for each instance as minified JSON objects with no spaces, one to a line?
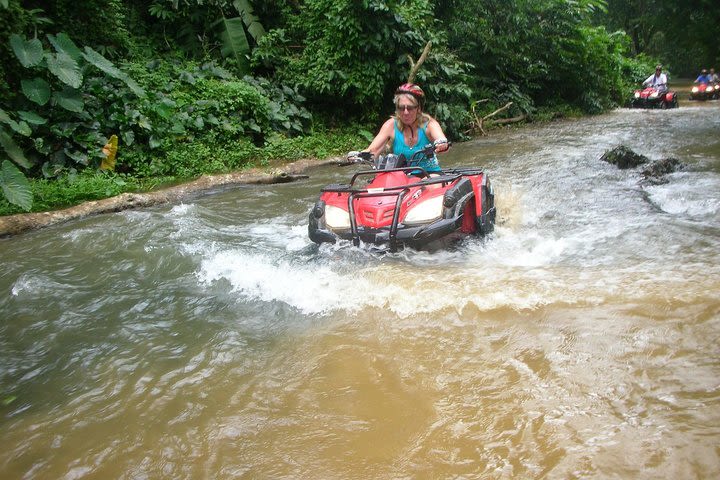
{"x":101,"y":97}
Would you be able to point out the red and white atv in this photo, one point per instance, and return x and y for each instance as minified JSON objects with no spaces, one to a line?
{"x":397,"y":204}
{"x":651,"y":97}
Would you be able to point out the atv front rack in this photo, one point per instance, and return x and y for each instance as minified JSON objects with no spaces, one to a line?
{"x":400,"y":191}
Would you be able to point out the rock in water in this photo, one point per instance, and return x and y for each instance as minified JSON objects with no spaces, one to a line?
{"x":623,"y":157}
{"x":654,"y":174}
{"x":661,"y":167}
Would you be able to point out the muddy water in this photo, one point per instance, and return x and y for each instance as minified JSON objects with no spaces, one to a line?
{"x":211,"y":339}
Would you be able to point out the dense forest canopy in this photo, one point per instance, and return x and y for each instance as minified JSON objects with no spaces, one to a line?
{"x":177,"y":88}
{"x":682,"y":34}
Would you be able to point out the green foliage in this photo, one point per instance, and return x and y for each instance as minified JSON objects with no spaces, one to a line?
{"x":682,"y":34}
{"x":230,"y":27}
{"x":28,"y":52}
{"x":204,"y":108}
{"x":188,"y":109}
{"x":46,"y":139}
{"x":74,"y":187}
{"x":447,"y":86}
{"x":234,"y":42}
{"x":15,"y":186}
{"x":199,"y":110}
{"x":189,"y":160}
{"x":346,"y":56}
{"x":287,"y":114}
{"x":103,"y":24}
{"x":536,"y":53}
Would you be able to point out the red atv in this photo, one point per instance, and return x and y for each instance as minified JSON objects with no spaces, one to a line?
{"x":398,"y":204}
{"x":705,"y":91}
{"x":651,"y":97}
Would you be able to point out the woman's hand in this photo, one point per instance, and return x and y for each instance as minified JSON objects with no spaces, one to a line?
{"x":441,"y":145}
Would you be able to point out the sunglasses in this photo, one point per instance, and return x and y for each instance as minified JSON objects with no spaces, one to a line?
{"x":406,"y":108}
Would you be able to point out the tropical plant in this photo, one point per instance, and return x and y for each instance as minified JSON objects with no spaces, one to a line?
{"x":346,"y":57}
{"x":681,"y":33}
{"x":534,"y":53}
{"x":231,"y":27}
{"x":49,"y":127}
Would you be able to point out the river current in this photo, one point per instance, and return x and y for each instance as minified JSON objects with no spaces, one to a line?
{"x":212,"y":339}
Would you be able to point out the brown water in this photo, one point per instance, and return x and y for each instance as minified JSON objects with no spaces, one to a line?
{"x":213,"y":340}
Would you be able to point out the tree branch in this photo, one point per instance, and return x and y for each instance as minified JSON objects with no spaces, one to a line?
{"x":414,"y":67}
{"x":479,"y":123}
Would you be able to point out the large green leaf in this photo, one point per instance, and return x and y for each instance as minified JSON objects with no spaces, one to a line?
{"x":70,"y":99}
{"x":134,"y":87}
{"x":108,"y":67}
{"x":65,"y":68}
{"x":29,"y":52}
{"x":63,"y":44}
{"x":234,"y":41}
{"x":252,"y":22}
{"x":32,"y":118}
{"x":128,"y":137}
{"x":103,"y":63}
{"x":14,"y":152}
{"x":21,"y":127}
{"x":15,"y":186}
{"x":36,"y":90}
{"x":4,"y":117}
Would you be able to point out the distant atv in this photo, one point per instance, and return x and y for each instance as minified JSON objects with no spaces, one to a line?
{"x":705,"y":91}
{"x":651,"y":97}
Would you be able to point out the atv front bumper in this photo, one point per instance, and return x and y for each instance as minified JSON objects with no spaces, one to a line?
{"x":647,"y":102}
{"x":417,"y":237}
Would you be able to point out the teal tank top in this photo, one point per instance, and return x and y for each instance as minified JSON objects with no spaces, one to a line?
{"x":400,"y":148}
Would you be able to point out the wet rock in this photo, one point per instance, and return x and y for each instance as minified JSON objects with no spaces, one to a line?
{"x":624,"y":158}
{"x":662,"y":167}
{"x":655,"y":173}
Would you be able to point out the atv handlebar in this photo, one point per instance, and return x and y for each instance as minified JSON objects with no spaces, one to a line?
{"x":428,"y":151}
{"x":367,"y":157}
{"x":359,"y":157}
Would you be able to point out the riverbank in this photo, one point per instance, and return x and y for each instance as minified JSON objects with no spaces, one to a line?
{"x":23,"y":222}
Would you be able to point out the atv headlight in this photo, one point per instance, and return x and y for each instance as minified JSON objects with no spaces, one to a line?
{"x":637,"y":94}
{"x":336,"y":217}
{"x":425,"y":212}
{"x":654,"y":94}
{"x":695,"y":89}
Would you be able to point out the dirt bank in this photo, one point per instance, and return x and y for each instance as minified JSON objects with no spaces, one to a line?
{"x":15,"y":224}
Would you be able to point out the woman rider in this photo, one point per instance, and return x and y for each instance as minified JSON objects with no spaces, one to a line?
{"x":410,"y":130}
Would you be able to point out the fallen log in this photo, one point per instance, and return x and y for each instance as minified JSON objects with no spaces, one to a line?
{"x":15,"y":224}
{"x":505,"y":121}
